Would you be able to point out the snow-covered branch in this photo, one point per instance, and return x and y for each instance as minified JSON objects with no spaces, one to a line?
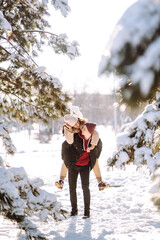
{"x":4,"y":24}
{"x":61,"y":5}
{"x":23,"y":200}
{"x":7,"y":141}
{"x":133,"y":52}
{"x":135,"y":143}
{"x":39,"y":95}
{"x":59,"y":43}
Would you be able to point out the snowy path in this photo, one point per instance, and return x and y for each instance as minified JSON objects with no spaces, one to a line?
{"x":116,"y":213}
{"x":123,"y":213}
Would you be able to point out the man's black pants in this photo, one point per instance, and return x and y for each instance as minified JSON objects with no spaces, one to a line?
{"x":84,"y":172}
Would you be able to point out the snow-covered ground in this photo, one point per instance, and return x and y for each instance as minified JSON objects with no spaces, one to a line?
{"x":124,"y":213}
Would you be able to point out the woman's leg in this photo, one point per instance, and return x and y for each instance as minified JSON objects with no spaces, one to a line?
{"x":84,"y":173}
{"x":101,"y":185}
{"x":63,"y":175}
{"x":72,"y":179}
{"x":63,"y":172}
{"x":97,"y":171}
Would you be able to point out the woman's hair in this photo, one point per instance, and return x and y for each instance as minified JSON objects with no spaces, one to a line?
{"x":81,"y":121}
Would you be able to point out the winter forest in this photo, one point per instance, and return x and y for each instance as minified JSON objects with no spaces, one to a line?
{"x":33,"y":103}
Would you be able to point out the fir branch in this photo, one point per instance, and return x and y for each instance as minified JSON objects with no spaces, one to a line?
{"x":5,"y":50}
{"x":3,"y":70}
{"x":19,"y":51}
{"x":38,"y":31}
{"x":30,"y":104}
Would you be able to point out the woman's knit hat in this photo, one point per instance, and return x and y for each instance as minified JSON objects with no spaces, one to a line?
{"x":70,"y":120}
{"x":91,"y":127}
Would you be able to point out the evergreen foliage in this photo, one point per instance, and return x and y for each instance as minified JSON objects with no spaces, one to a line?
{"x":27,"y":91}
{"x":133,"y":52}
{"x":137,"y":143}
{"x":22,"y":200}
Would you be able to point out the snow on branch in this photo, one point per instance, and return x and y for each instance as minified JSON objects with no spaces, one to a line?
{"x":59,"y":43}
{"x":23,"y":200}
{"x":61,"y":5}
{"x":7,"y":141}
{"x":30,"y":93}
{"x":135,"y":143}
{"x":4,"y":24}
{"x":40,"y":73}
{"x":133,"y":52}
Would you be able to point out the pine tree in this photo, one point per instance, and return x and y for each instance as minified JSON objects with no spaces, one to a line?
{"x":28,"y":93}
{"x":139,"y":144}
{"x":133,"y":52}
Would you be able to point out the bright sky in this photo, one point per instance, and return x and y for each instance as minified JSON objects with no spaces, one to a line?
{"x":91,"y":23}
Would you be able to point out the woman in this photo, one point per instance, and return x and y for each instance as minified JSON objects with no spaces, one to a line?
{"x":80,"y":161}
{"x":73,"y":125}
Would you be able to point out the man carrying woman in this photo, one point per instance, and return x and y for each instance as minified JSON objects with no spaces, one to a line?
{"x":73,"y":125}
{"x":80,"y":153}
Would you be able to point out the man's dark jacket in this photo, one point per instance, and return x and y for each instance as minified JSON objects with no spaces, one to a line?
{"x":72,"y":152}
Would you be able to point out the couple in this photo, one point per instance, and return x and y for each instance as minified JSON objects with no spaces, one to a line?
{"x":80,"y":153}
